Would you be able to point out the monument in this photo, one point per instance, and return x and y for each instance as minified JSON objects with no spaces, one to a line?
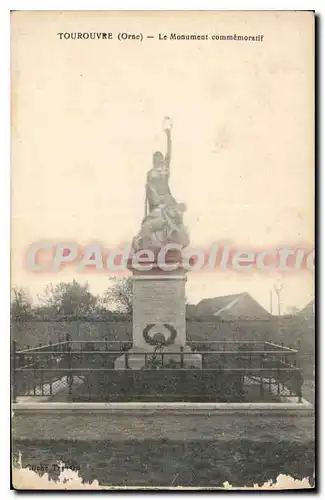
{"x":159,"y":314}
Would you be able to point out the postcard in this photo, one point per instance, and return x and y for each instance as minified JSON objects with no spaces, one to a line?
{"x":162,"y":269}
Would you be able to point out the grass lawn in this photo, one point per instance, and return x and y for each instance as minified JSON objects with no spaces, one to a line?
{"x":174,"y":463}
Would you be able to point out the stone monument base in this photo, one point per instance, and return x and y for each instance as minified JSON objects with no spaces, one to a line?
{"x":173,"y":356}
{"x":159,"y":320}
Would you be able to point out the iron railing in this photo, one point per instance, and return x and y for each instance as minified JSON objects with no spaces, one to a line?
{"x":229,"y":369}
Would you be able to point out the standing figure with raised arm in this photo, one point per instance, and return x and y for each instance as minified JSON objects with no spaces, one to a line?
{"x":157,"y":187}
{"x":163,"y":220}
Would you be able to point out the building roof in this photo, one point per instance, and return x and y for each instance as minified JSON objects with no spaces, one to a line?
{"x":230,"y":307}
{"x":308,"y":310}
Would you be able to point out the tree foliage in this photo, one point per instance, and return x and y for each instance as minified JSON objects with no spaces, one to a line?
{"x":21,"y":303}
{"x":119,"y":295}
{"x":68,"y":299}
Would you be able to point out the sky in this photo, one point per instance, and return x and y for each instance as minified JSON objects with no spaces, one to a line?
{"x":87,"y":116}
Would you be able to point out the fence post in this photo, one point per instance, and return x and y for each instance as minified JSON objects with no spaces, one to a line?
{"x":182,"y":357}
{"x":282,"y":358}
{"x":51,"y":356}
{"x":14,"y":372}
{"x":34,"y":375}
{"x":126,"y":358}
{"x":298,"y":352}
{"x":299,"y":382}
{"x":68,"y":338}
{"x":261,"y":387}
{"x":261,"y":376}
{"x":42,"y":377}
{"x":69,"y":364}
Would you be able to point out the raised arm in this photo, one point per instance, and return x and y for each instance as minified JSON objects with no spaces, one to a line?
{"x":169,"y":148}
{"x":167,"y":125}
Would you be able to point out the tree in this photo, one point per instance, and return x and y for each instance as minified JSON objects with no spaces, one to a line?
{"x":68,"y":299}
{"x":21,"y":303}
{"x":120,"y":295}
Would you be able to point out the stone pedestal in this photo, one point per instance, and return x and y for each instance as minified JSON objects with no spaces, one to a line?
{"x":159,"y":317}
